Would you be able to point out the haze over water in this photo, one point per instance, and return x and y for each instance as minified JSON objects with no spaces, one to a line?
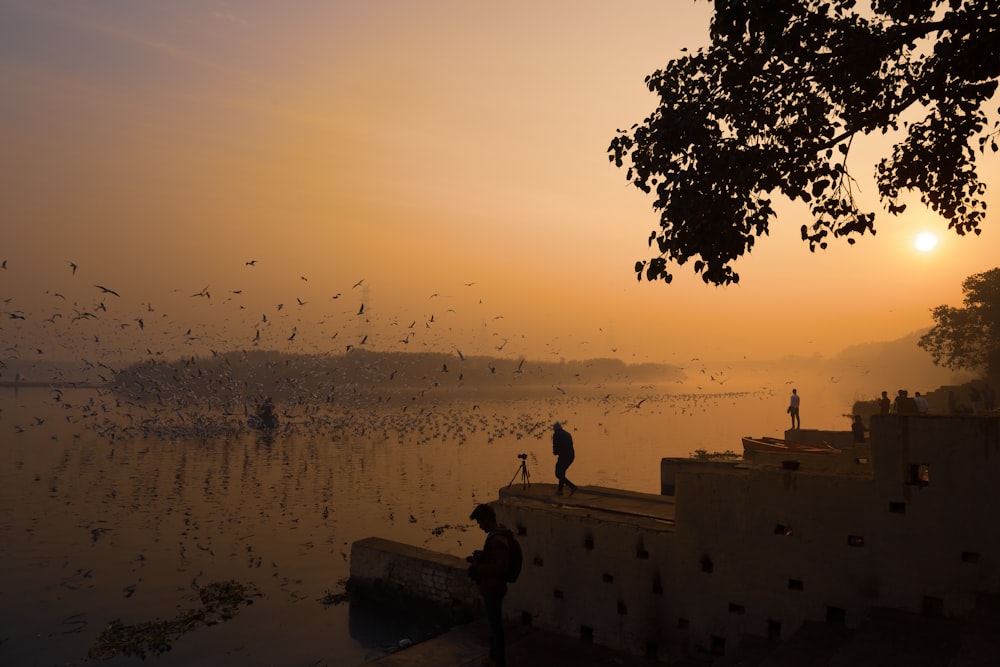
{"x":120,"y":504}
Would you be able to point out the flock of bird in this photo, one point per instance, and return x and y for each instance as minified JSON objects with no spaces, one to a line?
{"x":86,"y":318}
{"x":203,"y":378}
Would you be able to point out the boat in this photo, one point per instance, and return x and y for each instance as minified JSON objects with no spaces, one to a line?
{"x":769,"y":444}
{"x":262,"y":423}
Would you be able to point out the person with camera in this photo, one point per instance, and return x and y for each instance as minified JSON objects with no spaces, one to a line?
{"x":489,"y":569}
{"x":562,"y":447}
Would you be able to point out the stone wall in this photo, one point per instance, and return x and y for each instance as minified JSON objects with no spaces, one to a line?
{"x":395,"y":571}
{"x":758,"y":549}
{"x":746,"y":549}
{"x":601,"y":576}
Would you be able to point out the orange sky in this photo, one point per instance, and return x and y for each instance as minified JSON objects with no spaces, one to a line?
{"x":417,"y":147}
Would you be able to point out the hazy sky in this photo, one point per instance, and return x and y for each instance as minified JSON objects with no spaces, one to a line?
{"x":451,"y":156}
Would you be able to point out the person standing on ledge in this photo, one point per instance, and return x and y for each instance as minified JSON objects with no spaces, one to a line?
{"x":858,"y":429}
{"x":562,"y":447}
{"x":884,"y":403}
{"x":489,"y":569}
{"x":793,"y":409}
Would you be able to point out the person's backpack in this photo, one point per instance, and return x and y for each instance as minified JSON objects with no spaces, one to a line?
{"x":515,"y":556}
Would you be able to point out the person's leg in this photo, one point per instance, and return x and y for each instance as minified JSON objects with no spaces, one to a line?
{"x":571,"y":485}
{"x":560,"y":474}
{"x":494,"y":617}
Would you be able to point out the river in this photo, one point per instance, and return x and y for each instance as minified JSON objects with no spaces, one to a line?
{"x":112,"y":511}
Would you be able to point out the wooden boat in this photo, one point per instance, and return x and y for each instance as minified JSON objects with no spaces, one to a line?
{"x":262,"y":423}
{"x":769,"y":444}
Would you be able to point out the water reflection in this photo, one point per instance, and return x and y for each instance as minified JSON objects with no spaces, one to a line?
{"x":113,"y":510}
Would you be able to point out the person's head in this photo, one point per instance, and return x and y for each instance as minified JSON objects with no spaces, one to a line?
{"x":857,"y":418}
{"x":795,"y":391}
{"x":557,"y":426}
{"x":885,"y":394}
{"x":485,"y":516}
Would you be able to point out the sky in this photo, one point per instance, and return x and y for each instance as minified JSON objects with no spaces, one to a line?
{"x":318,"y":176}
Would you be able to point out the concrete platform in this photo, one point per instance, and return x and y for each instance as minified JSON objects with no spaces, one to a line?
{"x":610,"y":504}
{"x":466,"y":645}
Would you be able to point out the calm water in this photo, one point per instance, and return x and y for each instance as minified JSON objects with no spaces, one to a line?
{"x":110,"y":511}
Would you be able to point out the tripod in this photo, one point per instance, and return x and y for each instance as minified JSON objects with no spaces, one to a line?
{"x":522,"y":470}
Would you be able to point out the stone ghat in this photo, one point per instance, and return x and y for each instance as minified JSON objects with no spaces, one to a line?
{"x":399,"y":572}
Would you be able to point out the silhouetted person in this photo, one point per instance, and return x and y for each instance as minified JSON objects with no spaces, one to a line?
{"x":858,"y":429}
{"x":904,"y":403}
{"x":793,"y":409}
{"x":266,"y":417}
{"x":884,"y":404}
{"x":922,"y":405}
{"x":975,"y":397}
{"x":562,"y":447}
{"x":489,"y":570}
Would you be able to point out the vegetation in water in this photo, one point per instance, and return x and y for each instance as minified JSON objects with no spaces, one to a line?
{"x":220,"y":601}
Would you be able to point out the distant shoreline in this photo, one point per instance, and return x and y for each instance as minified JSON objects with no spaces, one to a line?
{"x":58,"y":384}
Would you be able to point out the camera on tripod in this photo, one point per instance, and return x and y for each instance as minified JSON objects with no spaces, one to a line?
{"x":522,"y":470}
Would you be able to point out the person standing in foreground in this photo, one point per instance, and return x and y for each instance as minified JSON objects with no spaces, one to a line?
{"x":489,"y":570}
{"x":562,"y":447}
{"x":793,"y":409}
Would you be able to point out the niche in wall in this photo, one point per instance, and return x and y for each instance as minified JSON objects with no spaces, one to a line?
{"x":706,"y":564}
{"x":919,"y":474}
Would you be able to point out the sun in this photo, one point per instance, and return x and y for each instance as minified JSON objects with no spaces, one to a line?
{"x":925,"y":242}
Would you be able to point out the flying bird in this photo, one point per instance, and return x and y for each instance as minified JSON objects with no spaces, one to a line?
{"x":361,"y":310}
{"x":73,"y":267}
{"x":252,"y":262}
{"x":110,"y":291}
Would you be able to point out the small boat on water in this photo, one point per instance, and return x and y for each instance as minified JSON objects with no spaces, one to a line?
{"x":769,"y":444}
{"x":262,"y":423}
{"x":264,"y":418}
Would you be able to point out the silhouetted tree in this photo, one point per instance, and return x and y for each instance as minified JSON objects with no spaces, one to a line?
{"x":772,"y":107}
{"x":969,"y":338}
